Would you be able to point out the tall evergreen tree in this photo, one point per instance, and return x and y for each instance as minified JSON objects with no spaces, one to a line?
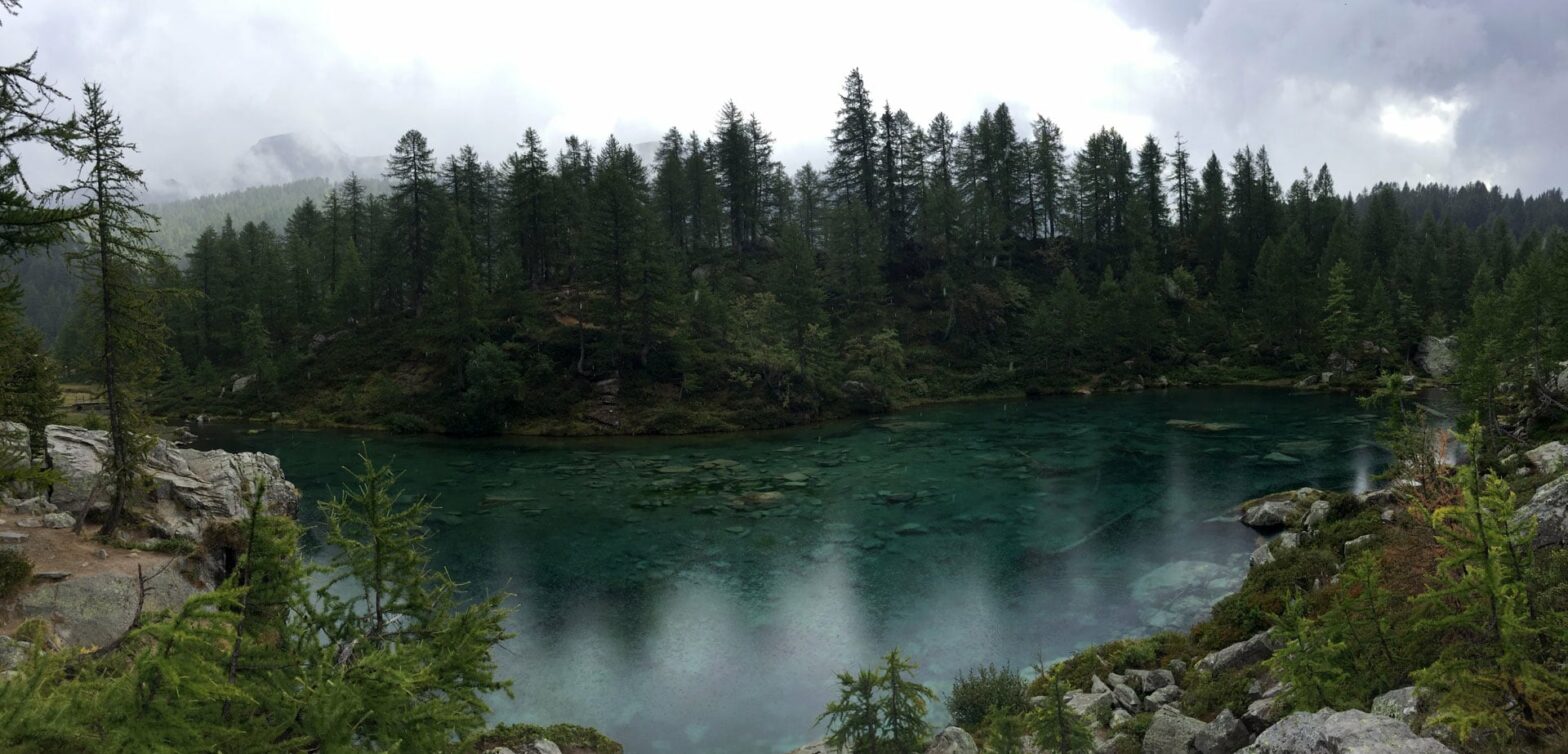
{"x":117,"y":257}
{"x":412,"y":172}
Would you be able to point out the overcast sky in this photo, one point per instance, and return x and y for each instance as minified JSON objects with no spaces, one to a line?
{"x":1381,"y":90}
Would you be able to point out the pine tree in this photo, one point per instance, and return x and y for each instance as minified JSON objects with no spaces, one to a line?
{"x":853,"y":171}
{"x":1310,"y":659}
{"x":1004,"y":732}
{"x":1340,"y":329}
{"x":412,"y":172}
{"x":453,"y":314}
{"x":855,"y":720}
{"x":904,"y":704}
{"x":1054,"y":726}
{"x":117,"y":259}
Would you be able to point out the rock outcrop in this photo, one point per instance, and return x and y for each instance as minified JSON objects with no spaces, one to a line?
{"x":1549,"y":458}
{"x":1279,"y":510}
{"x":1242,"y":654}
{"x":91,"y":611}
{"x":1549,"y":507}
{"x":1349,"y":732}
{"x":1437,"y":357}
{"x":190,"y":488}
{"x":952,"y":741}
{"x":1171,"y":733}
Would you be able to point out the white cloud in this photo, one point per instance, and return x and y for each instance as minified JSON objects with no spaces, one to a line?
{"x":1430,"y":121}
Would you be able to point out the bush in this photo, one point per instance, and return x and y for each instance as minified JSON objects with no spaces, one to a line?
{"x":407,"y":424}
{"x":35,"y":631}
{"x":982,"y":689}
{"x":1206,"y":694}
{"x":15,"y":571}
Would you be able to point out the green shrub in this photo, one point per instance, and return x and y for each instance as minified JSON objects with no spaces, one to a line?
{"x":35,"y":631}
{"x":1206,"y":694}
{"x":15,"y":571}
{"x":407,"y":424}
{"x":984,"y":688}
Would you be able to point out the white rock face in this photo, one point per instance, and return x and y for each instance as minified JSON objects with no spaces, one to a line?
{"x":1436,"y":356}
{"x":190,"y":488}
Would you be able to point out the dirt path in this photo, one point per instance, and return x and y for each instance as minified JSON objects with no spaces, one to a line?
{"x":60,"y":551}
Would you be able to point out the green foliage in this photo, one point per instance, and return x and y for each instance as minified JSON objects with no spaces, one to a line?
{"x":1004,"y":731}
{"x":15,"y":573}
{"x":984,"y":690}
{"x":380,"y":657}
{"x":1054,"y":726}
{"x":1205,"y":694}
{"x":1495,"y":672}
{"x":879,"y":710}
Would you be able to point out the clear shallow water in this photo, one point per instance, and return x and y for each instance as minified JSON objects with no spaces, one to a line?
{"x":698,"y":594}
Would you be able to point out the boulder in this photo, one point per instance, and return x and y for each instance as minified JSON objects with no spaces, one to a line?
{"x":1245,"y":653}
{"x":1125,"y":698}
{"x":1280,"y":509}
{"x":1225,"y":735}
{"x":1089,"y":706}
{"x":1401,"y":704}
{"x":819,"y":747}
{"x":190,"y":488}
{"x":1263,"y":713}
{"x":1436,"y":356}
{"x":1098,"y":686}
{"x":1317,"y":514}
{"x":1114,"y":745}
{"x":1178,"y":669}
{"x":952,"y":740}
{"x":13,"y":653}
{"x":1549,"y":508}
{"x":1358,"y":544}
{"x":92,"y":611}
{"x":1349,"y":732}
{"x":1170,"y":733}
{"x":58,"y":520}
{"x":1149,"y":680}
{"x":1549,"y":458}
{"x":1161,"y":697}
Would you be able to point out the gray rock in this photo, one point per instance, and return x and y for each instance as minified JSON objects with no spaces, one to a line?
{"x":1359,"y":544}
{"x":1549,"y":508}
{"x":1114,"y":744}
{"x":542,"y":746}
{"x":1224,"y":735}
{"x":1098,"y":686}
{"x":58,"y":520}
{"x":1161,"y":697}
{"x":952,"y":740}
{"x":13,"y":653}
{"x":819,"y":747}
{"x":240,"y":383}
{"x":1263,"y":713}
{"x":1124,"y":697}
{"x":12,"y":537}
{"x":1149,"y":680}
{"x":36,"y":506}
{"x":1170,"y":733}
{"x":1317,"y":514}
{"x":190,"y":488}
{"x":1549,"y":458}
{"x":1119,"y":716}
{"x":1242,"y":654}
{"x":1280,"y":509}
{"x":1436,"y":356}
{"x":1349,"y":732}
{"x":1401,"y":704}
{"x":92,"y":611}
{"x":1178,"y":669}
{"x":499,"y":750}
{"x":1090,"y":706}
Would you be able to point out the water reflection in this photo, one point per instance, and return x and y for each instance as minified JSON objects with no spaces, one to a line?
{"x":698,"y":594}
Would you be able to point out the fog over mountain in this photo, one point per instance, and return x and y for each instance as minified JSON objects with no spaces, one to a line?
{"x":1405,"y":90}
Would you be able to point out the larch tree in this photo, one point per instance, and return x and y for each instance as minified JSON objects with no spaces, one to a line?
{"x":116,"y":259}
{"x":412,"y":171}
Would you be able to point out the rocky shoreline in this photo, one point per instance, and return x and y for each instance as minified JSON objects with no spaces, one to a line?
{"x":1396,"y":721}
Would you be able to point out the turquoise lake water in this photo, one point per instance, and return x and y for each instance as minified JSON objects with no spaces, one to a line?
{"x":698,"y":594}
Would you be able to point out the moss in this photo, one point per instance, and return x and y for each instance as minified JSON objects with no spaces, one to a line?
{"x":15,"y":572}
{"x":563,"y":735}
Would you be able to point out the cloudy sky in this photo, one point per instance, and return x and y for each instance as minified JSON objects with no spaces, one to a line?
{"x":1380,"y":89}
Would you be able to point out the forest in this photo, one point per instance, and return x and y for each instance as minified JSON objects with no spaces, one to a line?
{"x":585,"y":291}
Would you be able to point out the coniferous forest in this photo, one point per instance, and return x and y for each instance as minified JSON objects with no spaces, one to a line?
{"x":582,"y":289}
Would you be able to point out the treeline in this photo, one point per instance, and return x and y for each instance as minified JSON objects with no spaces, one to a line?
{"x":925,"y":260}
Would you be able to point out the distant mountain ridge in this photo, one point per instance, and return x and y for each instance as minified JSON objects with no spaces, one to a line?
{"x":296,"y":156}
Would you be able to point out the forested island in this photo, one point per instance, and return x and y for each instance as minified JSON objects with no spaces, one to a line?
{"x":157,"y":597}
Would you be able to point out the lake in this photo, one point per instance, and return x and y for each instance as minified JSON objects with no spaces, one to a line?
{"x":698,"y":594}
